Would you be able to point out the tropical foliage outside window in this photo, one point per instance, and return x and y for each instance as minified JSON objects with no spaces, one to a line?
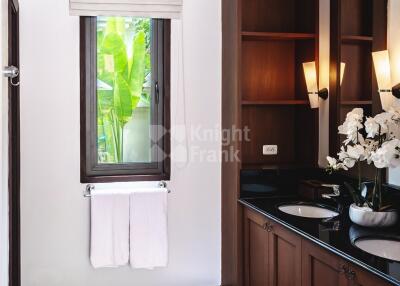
{"x":123,"y":89}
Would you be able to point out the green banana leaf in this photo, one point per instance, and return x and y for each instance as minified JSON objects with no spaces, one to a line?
{"x":137,"y":70}
{"x":125,"y":78}
{"x":122,"y":100}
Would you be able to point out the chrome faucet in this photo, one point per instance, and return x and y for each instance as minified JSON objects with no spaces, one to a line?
{"x":336,"y":191}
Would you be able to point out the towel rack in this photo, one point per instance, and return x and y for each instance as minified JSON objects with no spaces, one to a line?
{"x":87,"y":193}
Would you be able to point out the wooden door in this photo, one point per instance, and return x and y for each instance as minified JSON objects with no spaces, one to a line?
{"x":320,"y":267}
{"x":284,"y":256}
{"x":14,"y":258}
{"x":255,"y":249}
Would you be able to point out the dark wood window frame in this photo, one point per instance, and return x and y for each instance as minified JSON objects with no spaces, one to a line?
{"x":91,"y":170}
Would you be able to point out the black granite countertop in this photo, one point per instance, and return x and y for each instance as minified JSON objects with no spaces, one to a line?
{"x":338,"y":241}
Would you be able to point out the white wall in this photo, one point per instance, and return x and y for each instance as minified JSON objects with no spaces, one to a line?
{"x":55,"y":216}
{"x":3,"y":146}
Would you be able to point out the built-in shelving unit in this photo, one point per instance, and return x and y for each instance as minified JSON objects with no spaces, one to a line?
{"x":276,"y":38}
{"x":356,"y":47}
{"x":358,"y":27}
{"x":265,"y":43}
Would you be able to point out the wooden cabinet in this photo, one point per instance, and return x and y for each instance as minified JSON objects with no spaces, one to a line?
{"x":256,"y":249}
{"x":276,"y":256}
{"x":272,"y":253}
{"x":360,"y":277}
{"x":320,"y":267}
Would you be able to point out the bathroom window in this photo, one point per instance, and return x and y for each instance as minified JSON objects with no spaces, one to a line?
{"x":125,"y":67}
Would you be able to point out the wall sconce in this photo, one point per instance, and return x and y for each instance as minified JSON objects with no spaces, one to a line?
{"x":342,"y":68}
{"x":382,"y":69}
{"x":310,"y":73}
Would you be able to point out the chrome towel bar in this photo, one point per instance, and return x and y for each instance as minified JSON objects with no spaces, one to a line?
{"x":87,"y":193}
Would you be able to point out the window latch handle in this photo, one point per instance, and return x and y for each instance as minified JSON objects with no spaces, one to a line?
{"x":157,"y":90}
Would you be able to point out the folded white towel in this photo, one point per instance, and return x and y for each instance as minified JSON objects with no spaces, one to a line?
{"x":109,"y":243}
{"x":148,"y":229}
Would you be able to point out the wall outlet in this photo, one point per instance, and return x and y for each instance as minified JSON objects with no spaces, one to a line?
{"x":270,"y":150}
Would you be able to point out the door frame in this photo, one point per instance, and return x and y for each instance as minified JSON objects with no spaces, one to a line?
{"x":14,"y":263}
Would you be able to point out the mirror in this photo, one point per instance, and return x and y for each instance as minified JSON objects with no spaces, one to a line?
{"x":357,"y":28}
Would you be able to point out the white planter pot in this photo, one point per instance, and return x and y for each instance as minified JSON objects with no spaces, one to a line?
{"x":365,"y":216}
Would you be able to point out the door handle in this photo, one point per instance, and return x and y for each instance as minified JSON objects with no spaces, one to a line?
{"x":11,"y":72}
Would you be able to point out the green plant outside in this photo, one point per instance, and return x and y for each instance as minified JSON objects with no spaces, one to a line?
{"x":123,"y":72}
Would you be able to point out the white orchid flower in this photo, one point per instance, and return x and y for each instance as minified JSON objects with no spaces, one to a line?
{"x":371,"y":127}
{"x":356,"y":152}
{"x":384,"y":120}
{"x":387,"y":156}
{"x":335,"y":165}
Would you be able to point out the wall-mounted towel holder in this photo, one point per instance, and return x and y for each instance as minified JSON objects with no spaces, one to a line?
{"x":87,"y":193}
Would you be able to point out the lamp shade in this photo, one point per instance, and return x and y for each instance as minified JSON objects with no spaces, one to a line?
{"x":342,"y":69}
{"x":382,"y":70}
{"x":310,"y":73}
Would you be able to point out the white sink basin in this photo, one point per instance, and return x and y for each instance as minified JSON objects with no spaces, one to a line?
{"x":307,"y":211}
{"x":386,"y":248}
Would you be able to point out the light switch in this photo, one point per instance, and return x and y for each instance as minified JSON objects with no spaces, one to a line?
{"x":270,"y":150}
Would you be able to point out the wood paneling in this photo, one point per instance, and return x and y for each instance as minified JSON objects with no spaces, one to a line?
{"x":279,"y":16}
{"x":268,"y":70}
{"x":232,"y":248}
{"x":284,"y":257}
{"x":357,"y":17}
{"x":269,"y":125}
{"x":306,"y":134}
{"x":356,"y":83}
{"x":272,"y":15}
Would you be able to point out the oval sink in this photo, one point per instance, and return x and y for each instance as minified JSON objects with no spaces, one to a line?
{"x":382,"y":247}
{"x":308,"y":211}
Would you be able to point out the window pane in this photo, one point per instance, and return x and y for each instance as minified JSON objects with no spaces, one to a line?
{"x":124,"y":90}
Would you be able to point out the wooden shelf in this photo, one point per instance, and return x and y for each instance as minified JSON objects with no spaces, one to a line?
{"x":356,"y":39}
{"x":275,"y":102}
{"x":357,"y":102}
{"x":276,"y":36}
{"x":282,"y":166}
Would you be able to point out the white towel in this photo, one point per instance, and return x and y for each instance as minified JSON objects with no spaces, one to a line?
{"x":109,"y":243}
{"x":148,"y":229}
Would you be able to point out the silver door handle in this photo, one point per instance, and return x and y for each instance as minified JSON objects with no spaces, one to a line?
{"x":11,"y":72}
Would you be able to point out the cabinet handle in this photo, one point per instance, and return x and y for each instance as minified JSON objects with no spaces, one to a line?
{"x":269,"y":228}
{"x":344,"y":270}
{"x":351,"y":275}
{"x":266,"y":225}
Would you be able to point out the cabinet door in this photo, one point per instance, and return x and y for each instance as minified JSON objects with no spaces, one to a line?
{"x":361,"y":277}
{"x":319,"y":267}
{"x":255,"y":249}
{"x":284,"y":256}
